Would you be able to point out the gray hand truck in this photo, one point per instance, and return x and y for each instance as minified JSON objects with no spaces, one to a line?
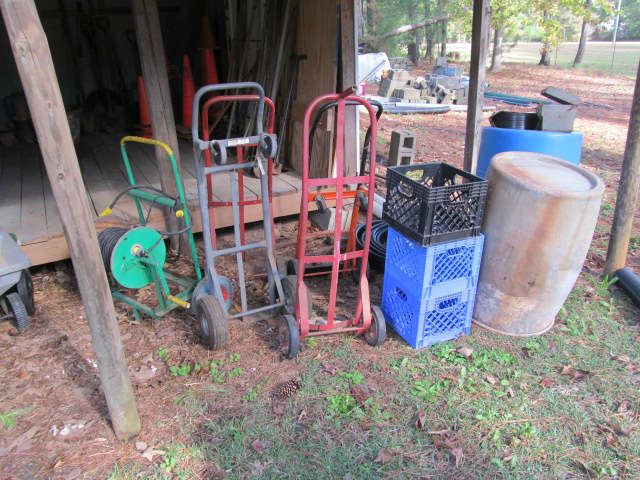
{"x":210,"y":291}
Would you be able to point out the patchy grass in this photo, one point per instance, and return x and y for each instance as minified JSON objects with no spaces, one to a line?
{"x":563,"y":405}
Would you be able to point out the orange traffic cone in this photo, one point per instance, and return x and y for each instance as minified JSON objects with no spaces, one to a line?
{"x":207,"y":44}
{"x":143,"y":106}
{"x":206,"y":36}
{"x":188,"y":92}
{"x":209,"y":71}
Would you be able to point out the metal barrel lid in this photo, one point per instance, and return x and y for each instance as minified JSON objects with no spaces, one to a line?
{"x":546,"y":174}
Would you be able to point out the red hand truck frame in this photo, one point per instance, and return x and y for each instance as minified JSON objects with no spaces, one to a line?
{"x":242,"y":202}
{"x":368,"y":319}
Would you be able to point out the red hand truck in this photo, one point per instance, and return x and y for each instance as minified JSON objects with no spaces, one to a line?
{"x":368,"y":319}
{"x":240,"y":151}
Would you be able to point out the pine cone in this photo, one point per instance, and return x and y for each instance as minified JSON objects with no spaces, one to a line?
{"x":287,"y":389}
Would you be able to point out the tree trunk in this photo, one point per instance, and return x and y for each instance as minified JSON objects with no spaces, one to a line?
{"x":428,"y":32}
{"x":582,"y":45}
{"x":371,"y":18}
{"x":545,"y":55}
{"x":414,"y":52}
{"x":443,"y":43}
{"x":496,"y":55}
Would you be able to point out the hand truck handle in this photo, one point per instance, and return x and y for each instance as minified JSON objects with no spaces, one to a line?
{"x":227,"y":86}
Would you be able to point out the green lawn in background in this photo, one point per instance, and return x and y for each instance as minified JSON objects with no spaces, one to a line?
{"x":597,"y":56}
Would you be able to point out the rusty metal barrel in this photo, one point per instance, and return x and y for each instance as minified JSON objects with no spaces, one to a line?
{"x":540,"y":218}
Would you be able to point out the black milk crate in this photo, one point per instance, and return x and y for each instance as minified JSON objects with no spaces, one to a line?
{"x":434,"y":202}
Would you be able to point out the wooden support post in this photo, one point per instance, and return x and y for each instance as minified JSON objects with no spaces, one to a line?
{"x":35,"y":66}
{"x":156,"y":84}
{"x":479,"y":49}
{"x":627,"y":191}
{"x":347,"y":79}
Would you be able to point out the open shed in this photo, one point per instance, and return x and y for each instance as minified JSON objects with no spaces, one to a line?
{"x":325,"y":45}
{"x":296,"y":50}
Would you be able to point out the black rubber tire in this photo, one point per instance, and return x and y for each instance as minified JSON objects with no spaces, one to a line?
{"x":25,"y":290}
{"x":19,"y":312}
{"x":203,"y":290}
{"x":288,"y":336}
{"x":214,"y":326}
{"x":377,"y":331}
{"x":355,"y":273}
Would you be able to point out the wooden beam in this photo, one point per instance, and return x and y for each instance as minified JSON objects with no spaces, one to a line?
{"x":477,"y":71}
{"x":627,"y":191}
{"x":35,"y":66}
{"x":347,"y":79}
{"x":156,"y":83}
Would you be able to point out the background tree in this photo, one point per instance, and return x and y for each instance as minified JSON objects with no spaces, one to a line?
{"x":591,"y":11}
{"x":506,"y":16}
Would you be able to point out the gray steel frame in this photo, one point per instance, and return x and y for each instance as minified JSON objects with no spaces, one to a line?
{"x":199,"y":146}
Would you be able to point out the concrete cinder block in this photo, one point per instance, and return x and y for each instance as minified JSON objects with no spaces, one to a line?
{"x":450,"y":83}
{"x":402,"y":75}
{"x":402,"y":150}
{"x":407,"y":94}
{"x":387,"y":86}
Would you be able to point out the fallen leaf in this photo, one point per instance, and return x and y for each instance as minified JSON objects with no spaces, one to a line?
{"x":420,"y":420}
{"x":278,"y":408}
{"x":567,"y":370}
{"x":610,"y":440}
{"x":384,"y":456}
{"x":465,"y":351}
{"x":491,"y":379}
{"x":144,"y":374}
{"x":259,"y":445}
{"x":458,"y":455}
{"x":546,"y":382}
{"x":360,"y":393}
{"x":623,"y":407}
{"x":330,"y":369}
{"x":580,"y":375}
{"x":149,"y":453}
{"x":141,"y":446}
{"x":23,"y":442}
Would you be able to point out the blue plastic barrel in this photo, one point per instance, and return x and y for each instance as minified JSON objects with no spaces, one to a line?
{"x":567,"y":146}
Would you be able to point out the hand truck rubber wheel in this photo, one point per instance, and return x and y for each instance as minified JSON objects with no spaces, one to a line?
{"x":289,"y":285}
{"x":203,"y":290}
{"x":25,"y":290}
{"x":288,"y":336}
{"x":355,"y":273}
{"x":19,"y":312}
{"x":214,"y":326}
{"x":377,"y":331}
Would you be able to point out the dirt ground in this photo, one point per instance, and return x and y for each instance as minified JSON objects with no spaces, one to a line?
{"x":50,"y":378}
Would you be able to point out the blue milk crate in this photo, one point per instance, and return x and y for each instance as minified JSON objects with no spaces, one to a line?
{"x":425,"y":320}
{"x":452,"y":265}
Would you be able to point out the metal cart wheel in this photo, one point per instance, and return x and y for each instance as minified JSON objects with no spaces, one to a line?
{"x":288,"y":336}
{"x":289,"y":285}
{"x":214,"y":326}
{"x":16,"y":307}
{"x":202,"y":289}
{"x":25,"y":290}
{"x":377,"y":331}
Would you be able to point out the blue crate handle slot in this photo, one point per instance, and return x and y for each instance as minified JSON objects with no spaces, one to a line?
{"x":401,"y":294}
{"x":449,"y":303}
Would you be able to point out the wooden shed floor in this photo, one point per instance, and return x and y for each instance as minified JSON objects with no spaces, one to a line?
{"x":28,"y":209}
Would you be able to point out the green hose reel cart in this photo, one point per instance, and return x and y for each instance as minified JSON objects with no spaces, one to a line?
{"x":135,"y":257}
